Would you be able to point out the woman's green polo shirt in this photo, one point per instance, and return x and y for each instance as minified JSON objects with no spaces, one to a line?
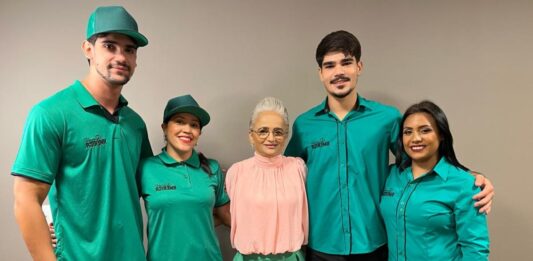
{"x":179,"y":200}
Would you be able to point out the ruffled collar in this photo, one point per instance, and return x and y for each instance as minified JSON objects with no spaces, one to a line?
{"x":273,"y":162}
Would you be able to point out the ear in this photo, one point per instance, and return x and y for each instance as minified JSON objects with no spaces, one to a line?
{"x":87,"y":49}
{"x":359,"y":67}
{"x":320,"y":74}
{"x":250,"y":138}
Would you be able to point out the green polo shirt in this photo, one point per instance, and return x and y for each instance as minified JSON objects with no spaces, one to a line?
{"x":179,"y":198}
{"x":347,"y":165}
{"x":433,"y":217}
{"x":90,"y":158}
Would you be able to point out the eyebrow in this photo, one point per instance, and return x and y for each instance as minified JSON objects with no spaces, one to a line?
{"x":115,"y":42}
{"x":421,"y":126}
{"x":183,"y":118}
{"x":348,"y":59}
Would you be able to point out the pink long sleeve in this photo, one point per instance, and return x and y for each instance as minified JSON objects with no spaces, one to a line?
{"x":268,"y":205}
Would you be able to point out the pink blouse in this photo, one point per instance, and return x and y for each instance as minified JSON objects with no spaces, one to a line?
{"x":268,"y":205}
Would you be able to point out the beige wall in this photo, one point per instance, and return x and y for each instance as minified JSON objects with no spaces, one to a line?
{"x":474,"y":58}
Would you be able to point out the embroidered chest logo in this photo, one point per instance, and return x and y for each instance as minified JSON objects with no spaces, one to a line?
{"x":388,"y":193}
{"x":164,"y":187}
{"x":320,"y":143}
{"x":94,"y":142}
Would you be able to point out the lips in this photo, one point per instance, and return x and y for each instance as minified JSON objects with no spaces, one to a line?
{"x":271,"y":146}
{"x":417,"y":148}
{"x":121,"y":68}
{"x":185,"y":139}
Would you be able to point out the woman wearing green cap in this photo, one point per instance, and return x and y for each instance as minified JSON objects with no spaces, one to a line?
{"x":182,"y":189}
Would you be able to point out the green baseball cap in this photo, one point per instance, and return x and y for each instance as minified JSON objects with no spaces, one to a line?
{"x":185,"y":103}
{"x":114,"y":19}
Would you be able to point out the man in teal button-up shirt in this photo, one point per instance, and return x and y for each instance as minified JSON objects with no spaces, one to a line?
{"x":345,"y":142}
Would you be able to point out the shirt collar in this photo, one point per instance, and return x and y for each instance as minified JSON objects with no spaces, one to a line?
{"x":193,"y":160}
{"x":360,"y":104}
{"x":442,"y":168}
{"x":86,"y":100}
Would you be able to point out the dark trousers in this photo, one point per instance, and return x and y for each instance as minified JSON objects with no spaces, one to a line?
{"x":380,"y":254}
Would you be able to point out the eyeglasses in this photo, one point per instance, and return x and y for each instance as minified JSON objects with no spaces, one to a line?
{"x":263,"y":133}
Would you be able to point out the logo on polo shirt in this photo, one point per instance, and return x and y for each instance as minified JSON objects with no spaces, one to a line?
{"x":388,"y":193}
{"x":94,"y":142}
{"x":165,"y":187}
{"x":320,"y":143}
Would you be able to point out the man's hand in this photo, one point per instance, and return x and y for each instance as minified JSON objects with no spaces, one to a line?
{"x":484,"y":198}
{"x":52,"y":234}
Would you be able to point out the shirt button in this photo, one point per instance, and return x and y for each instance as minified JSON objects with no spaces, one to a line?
{"x":401,"y":203}
{"x":343,"y":186}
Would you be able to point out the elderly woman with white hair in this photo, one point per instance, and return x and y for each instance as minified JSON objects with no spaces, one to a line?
{"x":269,"y":219}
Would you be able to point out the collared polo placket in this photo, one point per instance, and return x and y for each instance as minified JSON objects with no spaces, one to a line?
{"x":342,"y":151}
{"x":408,"y":190}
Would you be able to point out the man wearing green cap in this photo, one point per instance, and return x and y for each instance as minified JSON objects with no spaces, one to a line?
{"x":83,"y":145}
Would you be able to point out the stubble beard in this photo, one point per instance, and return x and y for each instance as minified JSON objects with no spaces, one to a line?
{"x":115,"y":82}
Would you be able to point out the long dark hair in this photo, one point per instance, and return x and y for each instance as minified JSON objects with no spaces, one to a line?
{"x":204,"y":164}
{"x":445,"y":135}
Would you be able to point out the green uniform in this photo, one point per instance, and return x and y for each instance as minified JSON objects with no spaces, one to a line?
{"x":433,"y":217}
{"x":90,"y":158}
{"x":347,"y":167}
{"x":179,"y":199}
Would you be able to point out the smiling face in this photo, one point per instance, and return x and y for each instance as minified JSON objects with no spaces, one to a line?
{"x":421,"y":139}
{"x":112,"y":57}
{"x":339,"y":73}
{"x":182,"y":132}
{"x":268,"y":134}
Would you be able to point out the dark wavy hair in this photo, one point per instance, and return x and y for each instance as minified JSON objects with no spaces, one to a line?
{"x":339,"y":41}
{"x":445,"y":135}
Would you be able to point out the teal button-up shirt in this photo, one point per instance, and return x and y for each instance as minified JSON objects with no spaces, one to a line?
{"x":347,"y":163}
{"x":433,"y":217}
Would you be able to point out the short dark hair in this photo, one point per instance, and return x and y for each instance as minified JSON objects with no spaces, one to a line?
{"x":339,"y":41}
{"x":445,"y":135}
{"x":95,"y":37}
{"x":92,"y":41}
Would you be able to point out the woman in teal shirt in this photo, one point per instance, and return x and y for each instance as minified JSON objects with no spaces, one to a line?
{"x":427,"y":202}
{"x":182,"y":189}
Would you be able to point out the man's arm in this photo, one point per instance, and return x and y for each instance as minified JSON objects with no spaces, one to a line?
{"x":29,"y":195}
{"x":483,"y":198}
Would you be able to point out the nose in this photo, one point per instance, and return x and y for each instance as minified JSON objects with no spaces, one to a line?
{"x":186,"y":128}
{"x":417,"y":137}
{"x":120,"y":55}
{"x":338,"y":70}
{"x":270,"y":136}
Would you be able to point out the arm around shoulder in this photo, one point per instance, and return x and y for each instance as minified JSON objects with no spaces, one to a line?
{"x":484,"y":198}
